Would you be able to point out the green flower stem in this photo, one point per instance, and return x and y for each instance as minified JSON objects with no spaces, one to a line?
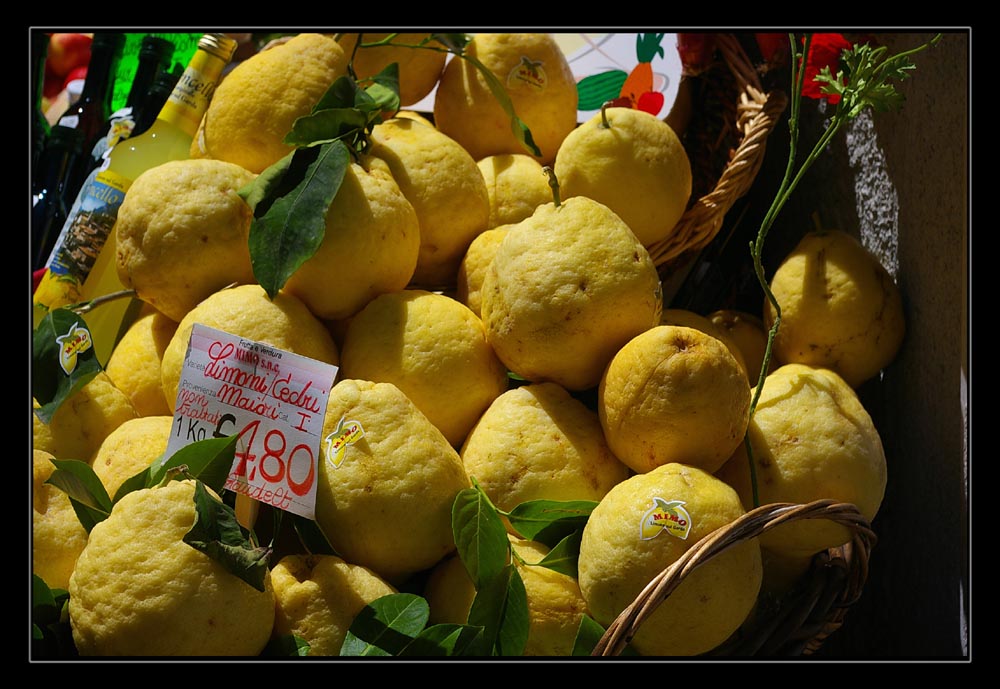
{"x":867,"y":86}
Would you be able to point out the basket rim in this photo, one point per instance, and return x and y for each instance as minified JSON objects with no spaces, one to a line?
{"x":758,"y":111}
{"x":749,"y":525}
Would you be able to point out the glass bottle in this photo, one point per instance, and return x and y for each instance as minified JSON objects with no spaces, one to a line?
{"x":90,"y":113}
{"x":39,"y":124}
{"x":82,"y":265}
{"x":49,"y":204}
{"x":147,"y":111}
{"x":155,"y":55}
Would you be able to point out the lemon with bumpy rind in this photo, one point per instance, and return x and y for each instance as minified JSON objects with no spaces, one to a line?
{"x":674,"y":394}
{"x":387,"y":481}
{"x":156,"y":595}
{"x":641,"y":527}
{"x":444,"y":185}
{"x":57,"y":537}
{"x":256,"y":104}
{"x":130,"y":448}
{"x":536,"y":76}
{"x":432,"y":348}
{"x":538,"y":442}
{"x":568,"y":287}
{"x":812,"y":439}
{"x":318,"y":596}
{"x":516,"y":184}
{"x":840,"y":308}
{"x":134,"y":364}
{"x":82,"y":422}
{"x":182,"y":233}
{"x":704,"y":324}
{"x":472,"y":269}
{"x":371,"y":245}
{"x":632,"y":162}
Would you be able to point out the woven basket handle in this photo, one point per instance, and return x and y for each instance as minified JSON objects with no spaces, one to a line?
{"x":757,"y":114}
{"x":750,"y":525}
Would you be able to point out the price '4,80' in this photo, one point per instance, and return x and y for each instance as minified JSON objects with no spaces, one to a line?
{"x":272,"y":459}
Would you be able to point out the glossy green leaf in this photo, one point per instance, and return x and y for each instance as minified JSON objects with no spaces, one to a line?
{"x":386,"y":626}
{"x":63,"y":360}
{"x":87,"y":494}
{"x":286,"y":646}
{"x":218,"y":534}
{"x":480,"y":535}
{"x":501,"y":609}
{"x":293,"y":227}
{"x":550,"y":521}
{"x":311,"y":536}
{"x":327,"y":125}
{"x":444,"y":640}
{"x":454,"y":42}
{"x":267,"y":186}
{"x":564,"y":555}
{"x":588,"y":634}
{"x":520,"y":130}
{"x":209,"y":460}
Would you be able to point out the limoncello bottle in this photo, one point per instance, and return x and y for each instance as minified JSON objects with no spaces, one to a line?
{"x":83,"y":265}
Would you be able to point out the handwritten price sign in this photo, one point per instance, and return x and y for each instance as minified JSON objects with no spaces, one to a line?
{"x":274,"y":400}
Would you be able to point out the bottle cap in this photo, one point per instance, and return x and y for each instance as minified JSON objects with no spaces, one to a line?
{"x":220,"y":45}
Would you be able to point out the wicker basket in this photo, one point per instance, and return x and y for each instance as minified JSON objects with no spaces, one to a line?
{"x":732,"y":122}
{"x":801,"y":622}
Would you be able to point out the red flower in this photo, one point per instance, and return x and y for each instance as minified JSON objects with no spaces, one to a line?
{"x":824,"y":51}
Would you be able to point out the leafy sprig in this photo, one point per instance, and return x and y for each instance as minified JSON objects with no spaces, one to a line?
{"x":864,"y":80}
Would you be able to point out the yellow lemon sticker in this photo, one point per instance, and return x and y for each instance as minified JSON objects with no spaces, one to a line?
{"x":665,"y":515}
{"x":527,"y":73}
{"x":71,"y":345}
{"x":346,"y":433}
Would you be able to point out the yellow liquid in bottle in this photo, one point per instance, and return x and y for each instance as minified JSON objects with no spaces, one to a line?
{"x":168,"y":139}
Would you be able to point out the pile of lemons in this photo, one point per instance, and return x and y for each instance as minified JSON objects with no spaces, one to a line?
{"x":494,"y":322}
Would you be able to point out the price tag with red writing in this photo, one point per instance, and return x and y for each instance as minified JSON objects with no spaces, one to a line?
{"x":273,"y":399}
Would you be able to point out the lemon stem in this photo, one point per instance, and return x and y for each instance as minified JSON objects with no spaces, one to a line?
{"x":604,"y":114}
{"x":553,"y":184}
{"x":88,"y":306}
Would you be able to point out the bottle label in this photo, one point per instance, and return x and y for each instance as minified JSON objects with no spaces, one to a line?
{"x":80,"y":242}
{"x":190,"y":97}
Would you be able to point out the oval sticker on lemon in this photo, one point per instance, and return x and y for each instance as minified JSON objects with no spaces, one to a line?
{"x":346,"y":433}
{"x":527,"y":72}
{"x":71,"y":345}
{"x":665,"y":515}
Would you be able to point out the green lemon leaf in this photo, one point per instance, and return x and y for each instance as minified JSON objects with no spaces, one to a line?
{"x":386,"y":626}
{"x":563,"y":556}
{"x":208,"y":460}
{"x":293,"y":227}
{"x":87,"y":494}
{"x":218,"y":534}
{"x":454,"y":42}
{"x":383,"y":89}
{"x":267,"y":186}
{"x":550,"y":521}
{"x":311,"y":536}
{"x":501,"y":609}
{"x":517,"y":126}
{"x":588,"y":634}
{"x":135,"y":482}
{"x":51,"y":636}
{"x":444,"y":640}
{"x":285,"y":646}
{"x":480,"y":536}
{"x":327,"y":125}
{"x":63,"y":360}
